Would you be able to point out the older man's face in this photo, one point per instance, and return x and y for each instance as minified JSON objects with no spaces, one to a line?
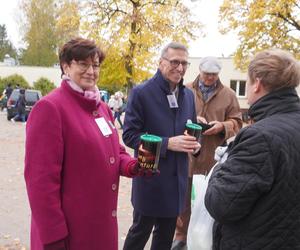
{"x":173,"y":65}
{"x":209,"y":79}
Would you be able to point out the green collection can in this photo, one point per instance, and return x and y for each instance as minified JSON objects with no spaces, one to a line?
{"x":194,"y":129}
{"x":149,"y":151}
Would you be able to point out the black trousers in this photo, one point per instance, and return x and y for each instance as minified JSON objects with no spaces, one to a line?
{"x":141,"y":228}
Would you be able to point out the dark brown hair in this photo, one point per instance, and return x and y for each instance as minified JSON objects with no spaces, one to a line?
{"x":79,"y":49}
{"x":275,"y":68}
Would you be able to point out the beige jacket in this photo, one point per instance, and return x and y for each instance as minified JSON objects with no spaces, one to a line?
{"x":222,"y":106}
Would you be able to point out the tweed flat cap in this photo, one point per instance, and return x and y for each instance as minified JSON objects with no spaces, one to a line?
{"x":210,"y":64}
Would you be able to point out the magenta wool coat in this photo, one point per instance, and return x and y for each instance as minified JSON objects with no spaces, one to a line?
{"x":72,"y":172}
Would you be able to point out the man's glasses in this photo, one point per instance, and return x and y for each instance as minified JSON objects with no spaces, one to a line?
{"x":175,"y":63}
{"x":210,"y":74}
{"x":83,"y":66}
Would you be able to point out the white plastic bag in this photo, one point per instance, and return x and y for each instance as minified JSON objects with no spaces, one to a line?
{"x":199,"y":235}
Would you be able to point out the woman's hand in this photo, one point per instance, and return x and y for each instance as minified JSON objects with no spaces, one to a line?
{"x":137,"y":170}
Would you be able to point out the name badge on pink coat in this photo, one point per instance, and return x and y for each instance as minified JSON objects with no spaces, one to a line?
{"x":103,"y":126}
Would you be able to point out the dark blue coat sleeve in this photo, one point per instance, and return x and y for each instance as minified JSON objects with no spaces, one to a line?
{"x":134,"y":120}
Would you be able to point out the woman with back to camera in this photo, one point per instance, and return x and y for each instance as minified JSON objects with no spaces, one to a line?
{"x":74,"y":159}
{"x":254,"y":196}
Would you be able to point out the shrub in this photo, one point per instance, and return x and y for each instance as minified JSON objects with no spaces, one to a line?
{"x":14,"y":80}
{"x":44,"y":85}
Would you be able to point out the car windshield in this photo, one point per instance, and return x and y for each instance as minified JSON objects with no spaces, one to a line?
{"x":14,"y":95}
{"x":31,"y":96}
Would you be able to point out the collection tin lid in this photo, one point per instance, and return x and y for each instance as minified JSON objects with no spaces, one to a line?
{"x":151,"y":138}
{"x":193,"y":126}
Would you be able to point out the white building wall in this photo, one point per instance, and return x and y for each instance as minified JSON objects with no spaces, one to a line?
{"x":32,"y":73}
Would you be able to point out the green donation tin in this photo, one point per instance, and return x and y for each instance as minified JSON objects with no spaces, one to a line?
{"x":194,"y":130}
{"x":149,"y":151}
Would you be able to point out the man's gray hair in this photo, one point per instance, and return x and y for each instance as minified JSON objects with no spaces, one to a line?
{"x":173,"y":45}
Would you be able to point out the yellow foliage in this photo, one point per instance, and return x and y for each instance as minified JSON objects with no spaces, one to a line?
{"x":68,"y":20}
{"x":133,"y":33}
{"x":261,"y":24}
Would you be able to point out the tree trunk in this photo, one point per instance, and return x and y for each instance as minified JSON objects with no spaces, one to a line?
{"x":132,"y":45}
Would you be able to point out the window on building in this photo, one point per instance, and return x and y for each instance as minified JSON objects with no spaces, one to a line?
{"x":239,"y":87}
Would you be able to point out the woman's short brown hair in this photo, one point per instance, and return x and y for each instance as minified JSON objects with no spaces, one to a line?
{"x":79,"y":49}
{"x":275,"y":68}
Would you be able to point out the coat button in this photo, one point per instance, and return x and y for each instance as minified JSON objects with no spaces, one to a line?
{"x":95,"y":112}
{"x":112,"y":160}
{"x":113,"y":187}
{"x":114,"y":213}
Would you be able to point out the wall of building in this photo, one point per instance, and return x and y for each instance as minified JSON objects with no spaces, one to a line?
{"x":32,"y":73}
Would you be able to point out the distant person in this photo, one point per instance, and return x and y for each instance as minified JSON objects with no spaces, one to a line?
{"x":254,"y":196}
{"x":161,"y":106}
{"x":21,"y":107}
{"x":111,"y":102}
{"x":8,"y":91}
{"x":5,"y":95}
{"x":17,"y":86}
{"x":117,"y":108}
{"x":73,"y":159}
{"x":124,"y":105}
{"x":218,"y":110}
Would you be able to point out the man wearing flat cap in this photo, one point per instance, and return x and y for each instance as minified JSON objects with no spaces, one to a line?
{"x":217,"y":106}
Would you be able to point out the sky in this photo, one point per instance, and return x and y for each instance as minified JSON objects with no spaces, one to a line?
{"x":206,"y":11}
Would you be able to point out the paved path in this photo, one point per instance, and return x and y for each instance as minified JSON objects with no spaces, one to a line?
{"x":14,"y":208}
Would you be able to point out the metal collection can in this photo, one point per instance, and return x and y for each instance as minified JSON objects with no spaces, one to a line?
{"x":149,"y":151}
{"x":194,"y":130}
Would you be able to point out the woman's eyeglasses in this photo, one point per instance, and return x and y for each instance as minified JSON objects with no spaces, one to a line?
{"x":175,"y":63}
{"x":83,"y":66}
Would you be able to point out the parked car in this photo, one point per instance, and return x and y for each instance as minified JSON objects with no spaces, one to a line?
{"x":31,"y":96}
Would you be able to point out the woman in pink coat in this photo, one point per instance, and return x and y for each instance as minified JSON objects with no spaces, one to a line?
{"x":73,"y":159}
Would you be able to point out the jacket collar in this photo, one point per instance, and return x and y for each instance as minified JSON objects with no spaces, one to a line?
{"x":195,"y":86}
{"x":87,"y":104}
{"x":279,"y":101}
{"x":164,"y":84}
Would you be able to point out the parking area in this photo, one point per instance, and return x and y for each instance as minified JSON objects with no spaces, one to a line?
{"x":14,"y":208}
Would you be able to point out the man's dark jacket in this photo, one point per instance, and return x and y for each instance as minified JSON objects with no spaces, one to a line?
{"x":21,"y":104}
{"x":148,"y":111}
{"x":254,"y":196}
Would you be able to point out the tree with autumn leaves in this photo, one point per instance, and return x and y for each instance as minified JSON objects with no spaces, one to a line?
{"x":45,"y":25}
{"x":261,"y":24}
{"x":131,"y":32}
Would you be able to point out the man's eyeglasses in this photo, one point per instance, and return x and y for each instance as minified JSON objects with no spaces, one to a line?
{"x":210,"y":74}
{"x":175,"y":63}
{"x":83,"y":66}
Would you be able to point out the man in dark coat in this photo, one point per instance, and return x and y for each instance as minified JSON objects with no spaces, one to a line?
{"x":6,"y":94}
{"x":21,"y":107}
{"x":8,"y":90}
{"x":161,"y":106}
{"x":254,"y":196}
